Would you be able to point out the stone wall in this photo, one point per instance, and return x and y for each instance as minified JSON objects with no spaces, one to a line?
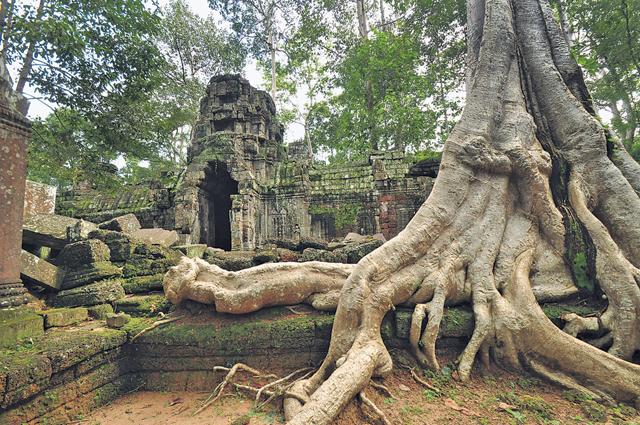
{"x":39,"y":198}
{"x":243,"y":187}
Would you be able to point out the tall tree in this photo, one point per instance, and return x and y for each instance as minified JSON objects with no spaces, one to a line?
{"x":261,"y":23}
{"x":605,"y":37}
{"x":529,"y":186}
{"x":76,"y":53}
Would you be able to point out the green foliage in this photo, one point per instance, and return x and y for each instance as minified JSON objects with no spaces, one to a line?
{"x":605,"y":43}
{"x":84,"y":51}
{"x":142,"y":117}
{"x":381,"y":102}
{"x":345,"y":215}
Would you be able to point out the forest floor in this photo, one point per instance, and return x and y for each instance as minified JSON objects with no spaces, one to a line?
{"x":496,"y":398}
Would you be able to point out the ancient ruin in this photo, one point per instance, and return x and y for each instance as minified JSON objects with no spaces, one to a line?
{"x":244,"y":187}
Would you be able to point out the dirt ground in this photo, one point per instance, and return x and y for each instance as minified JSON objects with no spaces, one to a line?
{"x":496,"y":398}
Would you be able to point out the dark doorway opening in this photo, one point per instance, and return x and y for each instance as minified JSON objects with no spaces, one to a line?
{"x":215,"y":206}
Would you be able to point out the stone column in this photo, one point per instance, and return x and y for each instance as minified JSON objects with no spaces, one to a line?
{"x":15,"y":131}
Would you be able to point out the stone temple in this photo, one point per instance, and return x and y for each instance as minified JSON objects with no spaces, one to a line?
{"x":244,"y":186}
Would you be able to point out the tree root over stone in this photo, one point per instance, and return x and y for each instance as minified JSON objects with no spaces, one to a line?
{"x":524,"y":174}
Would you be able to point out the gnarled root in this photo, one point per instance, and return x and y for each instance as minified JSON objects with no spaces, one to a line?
{"x":249,"y":290}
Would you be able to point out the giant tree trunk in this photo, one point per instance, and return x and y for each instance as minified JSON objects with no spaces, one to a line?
{"x":526,"y":177}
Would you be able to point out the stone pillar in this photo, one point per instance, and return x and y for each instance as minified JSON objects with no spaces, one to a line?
{"x":15,"y":131}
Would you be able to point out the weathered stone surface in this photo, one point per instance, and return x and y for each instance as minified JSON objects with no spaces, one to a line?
{"x":356,"y":251}
{"x":140,"y":266}
{"x":312,"y":254}
{"x":143,"y":284}
{"x":232,"y":260}
{"x":18,"y":324}
{"x":84,"y":252}
{"x":105,"y":291}
{"x":289,"y":244}
{"x":48,"y":230}
{"x":116,"y":321}
{"x":127,"y":223}
{"x":61,"y":317}
{"x":39,"y":198}
{"x":161,"y":237}
{"x":353,"y":237}
{"x":286,"y":255}
{"x":192,"y":250}
{"x":15,"y":131}
{"x":100,"y":311}
{"x":120,"y":245}
{"x":266,"y":256}
{"x":89,"y":273}
{"x":143,"y":305}
{"x":309,"y":242}
{"x":80,"y":230}
{"x":38,"y":271}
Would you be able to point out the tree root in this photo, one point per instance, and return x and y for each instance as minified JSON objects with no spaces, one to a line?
{"x":155,"y":325}
{"x":422,"y":382}
{"x":382,"y":388}
{"x":279,"y":387}
{"x":371,"y":405}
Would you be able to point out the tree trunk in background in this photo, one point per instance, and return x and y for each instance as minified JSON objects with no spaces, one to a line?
{"x":529,"y":187}
{"x":28,"y":59}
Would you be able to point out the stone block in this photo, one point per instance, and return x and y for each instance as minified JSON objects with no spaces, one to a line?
{"x":80,"y":230}
{"x":116,"y":321}
{"x":192,"y":251}
{"x":35,"y":270}
{"x":143,"y":305}
{"x":48,"y":230}
{"x":313,"y":254}
{"x":39,"y":198}
{"x":89,"y":273}
{"x":266,"y":256}
{"x":232,"y":260}
{"x":60,"y":317}
{"x":356,"y":251}
{"x":143,"y":284}
{"x":127,"y":223}
{"x":105,"y":291}
{"x":309,"y":242}
{"x":121,"y":246}
{"x":84,"y":252}
{"x":19,"y":324}
{"x":162,"y":237}
{"x":100,"y":311}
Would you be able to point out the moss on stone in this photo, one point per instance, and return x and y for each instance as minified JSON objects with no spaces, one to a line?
{"x":143,"y":305}
{"x":143,"y":284}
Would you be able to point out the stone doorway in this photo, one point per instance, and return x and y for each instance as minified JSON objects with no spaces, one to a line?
{"x":215,"y":206}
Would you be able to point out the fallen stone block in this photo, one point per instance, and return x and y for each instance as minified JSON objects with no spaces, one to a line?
{"x":19,"y":324}
{"x":313,"y":254}
{"x":266,"y":256}
{"x":116,"y":321}
{"x":232,"y":260}
{"x":89,"y":273}
{"x":100,"y":311}
{"x":84,"y":252}
{"x":356,"y":251}
{"x":143,"y":284}
{"x":121,"y":246}
{"x":105,"y":291}
{"x":309,"y":242}
{"x":162,"y":237}
{"x":35,"y":270}
{"x":143,"y":305}
{"x":127,"y":223}
{"x":49,"y":230}
{"x":192,"y":250}
{"x":60,"y":317}
{"x":80,"y":230}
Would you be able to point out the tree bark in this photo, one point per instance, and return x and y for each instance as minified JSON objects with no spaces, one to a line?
{"x":28,"y":58}
{"x":526,"y":172}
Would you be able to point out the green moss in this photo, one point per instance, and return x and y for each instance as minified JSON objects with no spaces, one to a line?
{"x":143,"y":305}
{"x":344,"y":215}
